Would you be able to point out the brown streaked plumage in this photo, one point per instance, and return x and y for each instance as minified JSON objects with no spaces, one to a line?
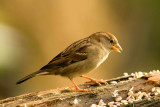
{"x":80,"y":58}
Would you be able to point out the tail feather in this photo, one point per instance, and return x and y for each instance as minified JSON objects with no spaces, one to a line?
{"x":27,"y":77}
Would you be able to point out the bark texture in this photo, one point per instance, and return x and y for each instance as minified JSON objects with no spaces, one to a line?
{"x":65,"y":98}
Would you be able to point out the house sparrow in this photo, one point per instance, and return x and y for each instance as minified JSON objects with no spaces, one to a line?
{"x":80,"y":58}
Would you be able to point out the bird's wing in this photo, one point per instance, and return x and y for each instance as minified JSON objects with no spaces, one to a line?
{"x":74,"y":53}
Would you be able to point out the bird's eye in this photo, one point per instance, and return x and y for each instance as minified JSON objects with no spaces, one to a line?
{"x":111,"y":41}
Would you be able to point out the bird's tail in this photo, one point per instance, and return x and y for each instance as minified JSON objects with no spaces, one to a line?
{"x":27,"y":77}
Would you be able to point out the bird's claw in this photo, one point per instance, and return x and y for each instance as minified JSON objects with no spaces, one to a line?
{"x":96,"y":81}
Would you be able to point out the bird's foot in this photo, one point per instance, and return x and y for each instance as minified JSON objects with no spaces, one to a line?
{"x":94,"y":80}
{"x":97,"y":81}
{"x":78,"y":89}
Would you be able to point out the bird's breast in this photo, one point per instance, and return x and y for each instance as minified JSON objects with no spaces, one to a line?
{"x":102,"y":59}
{"x":98,"y":57}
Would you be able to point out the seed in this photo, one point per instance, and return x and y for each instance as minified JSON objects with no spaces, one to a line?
{"x":115,"y":93}
{"x":130,"y":93}
{"x":136,"y":95}
{"x":113,"y":106}
{"x":145,"y":95}
{"x":149,"y":94}
{"x":140,"y":74}
{"x":153,"y":89}
{"x":136,"y":74}
{"x":118,"y":103}
{"x":93,"y":105}
{"x":119,"y":98}
{"x":132,"y":74}
{"x":156,"y":93}
{"x":130,"y":101}
{"x":124,"y":101}
{"x":130,"y":78}
{"x":140,"y":95}
{"x":145,"y":73}
{"x":128,"y":97}
{"x":101,"y":103}
{"x":131,"y":89}
{"x":139,"y":92}
{"x":110,"y":103}
{"x":125,"y":74}
{"x":113,"y":82}
{"x":76,"y":101}
{"x":151,"y":73}
{"x":139,"y":98}
{"x":154,"y":71}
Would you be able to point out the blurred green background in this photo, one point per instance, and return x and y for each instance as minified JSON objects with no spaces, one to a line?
{"x":32,"y":32}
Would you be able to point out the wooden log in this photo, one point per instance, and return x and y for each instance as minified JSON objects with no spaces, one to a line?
{"x":63,"y":97}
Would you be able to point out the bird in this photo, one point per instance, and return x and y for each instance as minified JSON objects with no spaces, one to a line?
{"x":79,"y":58}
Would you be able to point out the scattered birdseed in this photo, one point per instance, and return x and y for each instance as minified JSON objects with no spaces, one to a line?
{"x":132,"y":96}
{"x":145,"y":95}
{"x":125,"y":74}
{"x":154,"y":71}
{"x":149,"y":94}
{"x":130,"y":78}
{"x":111,"y":103}
{"x":100,"y":104}
{"x":119,"y":98}
{"x":94,"y":105}
{"x":153,"y":89}
{"x":151,"y":73}
{"x":119,"y":104}
{"x":137,"y":99}
{"x":146,"y":74}
{"x":113,"y":82}
{"x":125,"y":102}
{"x":114,"y":106}
{"x":130,"y":101}
{"x":130,"y":93}
{"x":129,"y":97}
{"x":132,"y":74}
{"x":158,"y":91}
{"x":131,"y":89}
{"x":115,"y":93}
{"x":139,"y":92}
{"x":155,"y":93}
{"x":76,"y":101}
{"x":138,"y":74}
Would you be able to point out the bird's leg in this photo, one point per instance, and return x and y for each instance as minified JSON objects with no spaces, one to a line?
{"x":77,"y":88}
{"x":94,"y":80}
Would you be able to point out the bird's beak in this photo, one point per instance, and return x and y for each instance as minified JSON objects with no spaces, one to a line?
{"x":117,"y":48}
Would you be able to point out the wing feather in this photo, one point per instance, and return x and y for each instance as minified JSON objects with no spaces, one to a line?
{"x":74,"y":53}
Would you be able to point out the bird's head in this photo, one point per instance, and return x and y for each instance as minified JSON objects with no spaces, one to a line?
{"x":108,"y":41}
